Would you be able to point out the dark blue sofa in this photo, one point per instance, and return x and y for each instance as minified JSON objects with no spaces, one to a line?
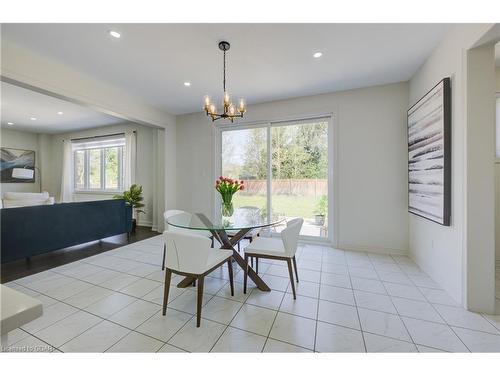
{"x":33,"y":230}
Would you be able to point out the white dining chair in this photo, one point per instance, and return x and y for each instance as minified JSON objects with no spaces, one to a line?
{"x":182,"y":215}
{"x":190,"y":255}
{"x":278,"y":249}
{"x":245,"y":210}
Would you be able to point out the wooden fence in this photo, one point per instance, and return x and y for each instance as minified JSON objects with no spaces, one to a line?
{"x":300,"y":187}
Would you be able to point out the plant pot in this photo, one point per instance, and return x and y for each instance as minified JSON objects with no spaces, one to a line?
{"x":319,"y":220}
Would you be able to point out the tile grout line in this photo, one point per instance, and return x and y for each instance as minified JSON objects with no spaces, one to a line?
{"x":359,"y":318}
{"x":399,"y":315}
{"x":317,"y":304}
{"x":212,"y":295}
{"x":272,"y":325}
{"x":140,"y":298}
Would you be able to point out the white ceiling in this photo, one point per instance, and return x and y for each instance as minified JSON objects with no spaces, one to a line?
{"x":19,"y":105}
{"x":266,"y":61}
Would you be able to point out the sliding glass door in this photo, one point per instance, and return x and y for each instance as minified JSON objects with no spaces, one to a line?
{"x":244,"y":157}
{"x":285,"y":169}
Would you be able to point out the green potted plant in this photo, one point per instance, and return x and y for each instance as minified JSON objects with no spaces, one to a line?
{"x":133,"y":197}
{"x":320,"y":213}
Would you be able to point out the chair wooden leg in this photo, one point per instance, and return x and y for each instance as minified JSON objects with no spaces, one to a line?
{"x":212,"y":242}
{"x":239,"y":247}
{"x":295,"y":266}
{"x":230,"y":269}
{"x":168,"y":276}
{"x":164,"y":254}
{"x":290,"y":271}
{"x":245,"y":275}
{"x":257,"y":266}
{"x":251,"y":260}
{"x":201,"y":281}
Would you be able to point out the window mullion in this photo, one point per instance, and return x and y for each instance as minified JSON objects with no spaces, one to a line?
{"x":103,"y":169}
{"x":120,"y":168}
{"x":269,"y":173}
{"x":86,"y":169}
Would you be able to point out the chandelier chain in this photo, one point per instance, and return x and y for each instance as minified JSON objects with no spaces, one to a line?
{"x":224,"y":81}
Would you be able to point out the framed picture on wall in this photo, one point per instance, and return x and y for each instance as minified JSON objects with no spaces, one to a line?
{"x":429,"y":155}
{"x":11,"y":158}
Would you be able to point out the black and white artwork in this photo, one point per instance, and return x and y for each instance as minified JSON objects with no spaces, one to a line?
{"x":429,"y":155}
{"x":11,"y":158}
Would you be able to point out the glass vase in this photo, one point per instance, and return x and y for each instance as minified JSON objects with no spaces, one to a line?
{"x":227,"y":209}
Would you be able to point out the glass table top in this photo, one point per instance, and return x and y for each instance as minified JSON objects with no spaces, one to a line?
{"x":243,"y":218}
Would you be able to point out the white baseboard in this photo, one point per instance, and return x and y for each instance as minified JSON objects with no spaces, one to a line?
{"x":371,"y":249}
{"x":143,"y":223}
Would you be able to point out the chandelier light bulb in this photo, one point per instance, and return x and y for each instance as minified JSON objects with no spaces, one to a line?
{"x":231,"y":110}
{"x":206,"y":101}
{"x":226,"y":98}
{"x":241,"y":107}
{"x":213,"y":110}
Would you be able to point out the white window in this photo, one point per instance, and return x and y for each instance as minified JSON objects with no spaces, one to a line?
{"x":98,"y":164}
{"x":285,"y":169}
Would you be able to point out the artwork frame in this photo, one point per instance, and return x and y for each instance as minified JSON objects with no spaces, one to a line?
{"x":429,"y":155}
{"x":16,"y":158}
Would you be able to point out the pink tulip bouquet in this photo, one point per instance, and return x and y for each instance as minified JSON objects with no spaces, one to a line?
{"x":227,"y":187}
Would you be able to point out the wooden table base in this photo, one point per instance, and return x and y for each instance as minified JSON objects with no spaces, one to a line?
{"x":229,"y":244}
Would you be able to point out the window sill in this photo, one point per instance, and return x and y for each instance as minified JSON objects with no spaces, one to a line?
{"x":97,"y":192}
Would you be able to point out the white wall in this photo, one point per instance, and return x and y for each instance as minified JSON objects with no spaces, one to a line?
{"x":497,"y":75}
{"x":480,"y":209}
{"x":372,"y":163}
{"x":439,"y":250}
{"x":497,"y":174}
{"x":26,"y":141}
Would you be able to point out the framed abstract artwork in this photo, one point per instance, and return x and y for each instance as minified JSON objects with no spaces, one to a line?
{"x":429,"y":155}
{"x":11,"y":158}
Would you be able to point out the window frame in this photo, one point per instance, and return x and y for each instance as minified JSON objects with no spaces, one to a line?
{"x":332,"y":176}
{"x":86,"y":171}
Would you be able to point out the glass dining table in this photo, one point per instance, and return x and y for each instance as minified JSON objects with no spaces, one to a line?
{"x":228,"y":232}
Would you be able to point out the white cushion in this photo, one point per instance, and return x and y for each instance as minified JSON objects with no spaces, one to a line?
{"x":26,"y":196}
{"x":11,"y":203}
{"x":217,"y":256}
{"x":191,"y":253}
{"x":250,"y":233}
{"x":267,"y":246}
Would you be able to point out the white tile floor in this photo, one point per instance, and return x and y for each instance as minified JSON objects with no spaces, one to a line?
{"x":347,"y":302}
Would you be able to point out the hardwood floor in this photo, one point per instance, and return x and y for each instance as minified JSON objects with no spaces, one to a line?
{"x":21,"y":268}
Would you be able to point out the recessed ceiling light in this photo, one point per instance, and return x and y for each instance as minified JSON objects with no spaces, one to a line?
{"x":33,"y":118}
{"x":10,"y":123}
{"x":317,"y":54}
{"x":114,"y":34}
{"x":60,"y":113}
{"x":187,"y":84}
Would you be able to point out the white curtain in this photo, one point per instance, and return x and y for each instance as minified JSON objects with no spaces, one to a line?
{"x":67,"y":172}
{"x":130,"y":159}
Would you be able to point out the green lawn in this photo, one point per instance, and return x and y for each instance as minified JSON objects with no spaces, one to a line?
{"x":290,"y":205}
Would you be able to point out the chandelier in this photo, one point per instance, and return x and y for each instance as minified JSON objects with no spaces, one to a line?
{"x":230,"y":112}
